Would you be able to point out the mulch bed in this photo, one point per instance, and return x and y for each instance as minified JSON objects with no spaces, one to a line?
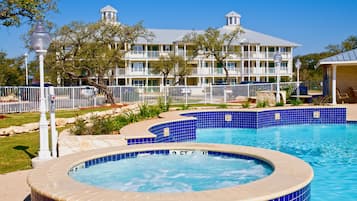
{"x":3,"y":116}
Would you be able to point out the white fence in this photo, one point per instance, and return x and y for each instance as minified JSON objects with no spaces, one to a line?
{"x":26,"y":99}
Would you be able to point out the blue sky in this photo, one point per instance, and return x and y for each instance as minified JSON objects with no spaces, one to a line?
{"x":312,"y":23}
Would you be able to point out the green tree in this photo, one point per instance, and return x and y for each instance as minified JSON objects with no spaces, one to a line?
{"x":11,"y":73}
{"x":349,"y":43}
{"x":16,"y":12}
{"x":167,"y":65}
{"x":182,"y":70}
{"x":90,"y":51}
{"x":214,"y":43}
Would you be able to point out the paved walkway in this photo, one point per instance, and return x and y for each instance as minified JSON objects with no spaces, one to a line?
{"x":13,"y":186}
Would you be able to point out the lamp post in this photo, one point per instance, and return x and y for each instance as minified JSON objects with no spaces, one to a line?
{"x":297,"y":66}
{"x":277,"y":61}
{"x":26,"y":70}
{"x":40,"y":40}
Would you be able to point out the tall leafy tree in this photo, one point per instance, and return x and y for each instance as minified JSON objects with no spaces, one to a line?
{"x":11,"y":73}
{"x":168,"y":64}
{"x":87,"y":51}
{"x":16,"y":12}
{"x":349,"y":43}
{"x":213,"y":43}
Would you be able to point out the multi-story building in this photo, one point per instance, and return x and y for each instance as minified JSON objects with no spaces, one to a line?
{"x":255,"y":62}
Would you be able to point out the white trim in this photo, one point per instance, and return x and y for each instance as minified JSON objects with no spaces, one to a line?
{"x":338,"y":62}
{"x":334,"y":102}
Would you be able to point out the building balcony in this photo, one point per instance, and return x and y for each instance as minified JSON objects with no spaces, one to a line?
{"x":133,"y":55}
{"x":207,"y":71}
{"x":146,"y":54}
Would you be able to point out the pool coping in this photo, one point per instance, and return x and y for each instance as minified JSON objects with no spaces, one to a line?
{"x":290,"y":174}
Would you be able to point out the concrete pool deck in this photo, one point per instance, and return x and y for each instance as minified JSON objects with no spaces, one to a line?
{"x":14,"y":186}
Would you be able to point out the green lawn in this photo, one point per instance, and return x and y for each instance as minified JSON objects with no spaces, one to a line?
{"x":18,"y":119}
{"x":16,"y":151}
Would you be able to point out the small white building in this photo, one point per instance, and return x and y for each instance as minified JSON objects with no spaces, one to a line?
{"x":254,"y":63}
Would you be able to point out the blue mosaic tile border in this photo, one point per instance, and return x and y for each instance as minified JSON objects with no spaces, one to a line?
{"x":303,"y":194}
{"x":267,"y":118}
{"x":352,"y":122}
{"x":301,"y":116}
{"x":121,"y":156}
{"x":179,"y":131}
{"x":217,"y":119}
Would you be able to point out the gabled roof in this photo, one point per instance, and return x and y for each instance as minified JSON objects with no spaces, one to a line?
{"x":168,"y":36}
{"x":108,"y":8}
{"x":253,"y":37}
{"x":232,"y":14}
{"x":349,"y":57}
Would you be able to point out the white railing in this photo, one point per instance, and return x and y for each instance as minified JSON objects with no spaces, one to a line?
{"x":26,"y":99}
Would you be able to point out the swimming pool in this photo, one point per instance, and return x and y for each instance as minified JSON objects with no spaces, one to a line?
{"x":174,"y":171}
{"x":330,"y":149}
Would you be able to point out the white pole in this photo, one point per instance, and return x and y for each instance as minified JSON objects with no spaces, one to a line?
{"x":298,"y":84}
{"x":278,"y":82}
{"x":186,"y":95}
{"x":54,"y":136}
{"x":27,"y":72}
{"x":44,"y":152}
{"x":334,"y":102}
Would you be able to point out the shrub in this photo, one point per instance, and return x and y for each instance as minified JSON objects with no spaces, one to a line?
{"x":321,"y":100}
{"x":278,"y":104}
{"x":161,"y":104}
{"x":296,"y":102}
{"x":79,"y":127}
{"x":101,"y":126}
{"x":246,"y":104}
{"x":184,"y":107}
{"x":261,"y":104}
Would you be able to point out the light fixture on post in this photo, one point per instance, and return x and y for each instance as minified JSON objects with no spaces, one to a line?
{"x":40,"y":40}
{"x":277,"y":62}
{"x":297,"y":66}
{"x":26,"y":69}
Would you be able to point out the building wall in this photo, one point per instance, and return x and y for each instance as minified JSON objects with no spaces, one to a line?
{"x":345,"y":78}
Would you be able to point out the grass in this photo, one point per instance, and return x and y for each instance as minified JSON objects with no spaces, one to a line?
{"x":17,"y":151}
{"x":18,"y":119}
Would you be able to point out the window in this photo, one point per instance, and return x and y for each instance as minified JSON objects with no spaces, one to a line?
{"x":167,"y":48}
{"x":284,"y":64}
{"x":231,"y":65}
{"x":284,"y":49}
{"x":207,"y":64}
{"x":137,"y":67}
{"x":138,"y":82}
{"x":138,"y":48}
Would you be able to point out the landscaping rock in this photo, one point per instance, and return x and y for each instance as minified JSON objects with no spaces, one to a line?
{"x":31,"y":126}
{"x":61,"y":122}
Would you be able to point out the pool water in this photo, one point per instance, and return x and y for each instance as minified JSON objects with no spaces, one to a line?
{"x":172,"y":173}
{"x":330,"y":149}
